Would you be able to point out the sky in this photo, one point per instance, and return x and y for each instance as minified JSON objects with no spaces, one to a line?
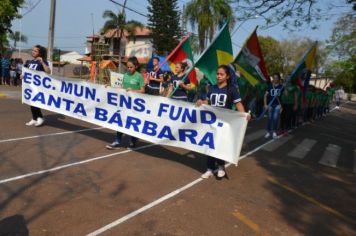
{"x":77,"y":19}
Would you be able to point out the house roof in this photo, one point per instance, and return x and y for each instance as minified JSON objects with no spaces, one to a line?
{"x":115,"y":33}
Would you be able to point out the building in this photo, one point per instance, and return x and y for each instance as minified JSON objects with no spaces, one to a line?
{"x":107,"y":44}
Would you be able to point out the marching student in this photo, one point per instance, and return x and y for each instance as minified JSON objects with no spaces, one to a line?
{"x":133,"y":81}
{"x":178,"y":86}
{"x":224,"y":95}
{"x":155,"y":78}
{"x":272,"y":98}
{"x":39,"y":53}
{"x":289,"y":100}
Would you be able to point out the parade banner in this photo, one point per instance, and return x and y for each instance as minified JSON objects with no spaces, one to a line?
{"x":213,"y":131}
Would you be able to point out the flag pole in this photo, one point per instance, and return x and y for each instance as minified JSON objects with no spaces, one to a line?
{"x":246,"y":42}
{"x":174,"y":50}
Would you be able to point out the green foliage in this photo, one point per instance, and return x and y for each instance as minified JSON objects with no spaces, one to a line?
{"x":342,"y":42}
{"x":273,"y":55}
{"x":17,"y":37}
{"x":164,"y":22}
{"x":8,"y":12}
{"x":207,"y":16}
{"x":118,"y":21}
{"x":291,"y":14}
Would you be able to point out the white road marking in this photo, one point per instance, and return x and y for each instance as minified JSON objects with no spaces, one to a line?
{"x":254,"y":136}
{"x":279,"y":142}
{"x":51,"y":134}
{"x":302,"y":149}
{"x":331,"y":155}
{"x":71,"y":164}
{"x":164,"y":198}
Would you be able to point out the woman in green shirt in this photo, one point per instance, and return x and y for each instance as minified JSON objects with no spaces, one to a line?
{"x":133,"y":81}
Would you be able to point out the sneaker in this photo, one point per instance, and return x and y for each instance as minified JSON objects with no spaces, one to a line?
{"x":207,"y":174}
{"x":132,"y":145}
{"x":114,"y":145}
{"x":39,"y":122}
{"x":267,"y":135}
{"x":221,"y":173}
{"x":274,"y":135}
{"x":31,"y":122}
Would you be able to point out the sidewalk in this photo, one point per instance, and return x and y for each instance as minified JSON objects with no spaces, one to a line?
{"x":10,"y":92}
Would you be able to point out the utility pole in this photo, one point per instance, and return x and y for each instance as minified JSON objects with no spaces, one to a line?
{"x":51,"y":31}
{"x":121,"y":33}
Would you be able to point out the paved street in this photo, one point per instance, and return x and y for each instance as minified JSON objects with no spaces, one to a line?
{"x":60,"y":180}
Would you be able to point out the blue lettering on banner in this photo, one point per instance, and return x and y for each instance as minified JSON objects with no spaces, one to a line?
{"x":77,"y":90}
{"x":208,"y":140}
{"x":149,"y":128}
{"x":36,"y":80}
{"x":184,"y":114}
{"x":27,"y":94}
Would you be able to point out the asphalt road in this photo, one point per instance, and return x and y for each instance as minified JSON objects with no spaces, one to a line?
{"x":60,"y":180}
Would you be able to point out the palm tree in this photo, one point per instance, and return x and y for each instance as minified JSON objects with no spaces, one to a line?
{"x":118,"y":21}
{"x":208,"y":16}
{"x":17,"y":37}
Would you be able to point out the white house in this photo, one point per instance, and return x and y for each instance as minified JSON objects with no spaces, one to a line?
{"x":71,"y":57}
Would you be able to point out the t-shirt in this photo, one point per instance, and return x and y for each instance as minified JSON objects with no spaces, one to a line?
{"x":133,"y":81}
{"x":218,"y":97}
{"x":36,"y":65}
{"x":275,"y":91}
{"x":152,"y":83}
{"x":288,"y":94}
{"x":179,"y":92}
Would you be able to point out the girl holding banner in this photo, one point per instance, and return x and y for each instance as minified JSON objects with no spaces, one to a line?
{"x":133,"y":81}
{"x":38,"y":63}
{"x":224,"y":95}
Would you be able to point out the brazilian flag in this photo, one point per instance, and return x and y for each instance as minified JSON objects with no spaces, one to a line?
{"x":218,"y":53}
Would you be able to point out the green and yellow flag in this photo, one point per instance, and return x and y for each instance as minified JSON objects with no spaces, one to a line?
{"x":250,"y":62}
{"x":218,"y":53}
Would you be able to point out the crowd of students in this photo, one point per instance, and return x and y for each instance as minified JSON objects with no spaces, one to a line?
{"x":286,"y":104}
{"x":10,"y":71}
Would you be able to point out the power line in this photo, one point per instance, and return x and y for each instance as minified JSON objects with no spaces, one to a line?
{"x":33,"y":7}
{"x":128,"y":8}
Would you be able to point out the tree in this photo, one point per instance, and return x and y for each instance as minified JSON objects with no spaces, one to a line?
{"x":343,"y":39}
{"x":342,"y":44}
{"x":17,"y":37}
{"x":118,"y":21}
{"x":292,"y":14}
{"x":273,"y":55}
{"x":207,"y":16}
{"x":164,"y":22}
{"x":8,"y":12}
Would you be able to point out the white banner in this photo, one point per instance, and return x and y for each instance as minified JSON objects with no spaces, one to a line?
{"x":205,"y":129}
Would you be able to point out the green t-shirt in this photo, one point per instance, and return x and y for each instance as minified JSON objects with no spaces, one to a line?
{"x":288,"y":94}
{"x":133,"y":81}
{"x":261,"y":90}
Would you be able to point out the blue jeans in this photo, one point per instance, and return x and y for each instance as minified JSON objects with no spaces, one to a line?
{"x":273,"y":118}
{"x":211,"y":163}
{"x":119,"y":137}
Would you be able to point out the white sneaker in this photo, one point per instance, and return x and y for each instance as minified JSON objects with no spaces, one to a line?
{"x":274,"y":135}
{"x":221,"y":173}
{"x":207,"y":174}
{"x":267,"y":135}
{"x":39,"y":122}
{"x":31,"y":122}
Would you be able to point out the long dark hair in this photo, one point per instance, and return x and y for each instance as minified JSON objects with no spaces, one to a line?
{"x":229,"y":86}
{"x":42,"y":50}
{"x":135,"y":62}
